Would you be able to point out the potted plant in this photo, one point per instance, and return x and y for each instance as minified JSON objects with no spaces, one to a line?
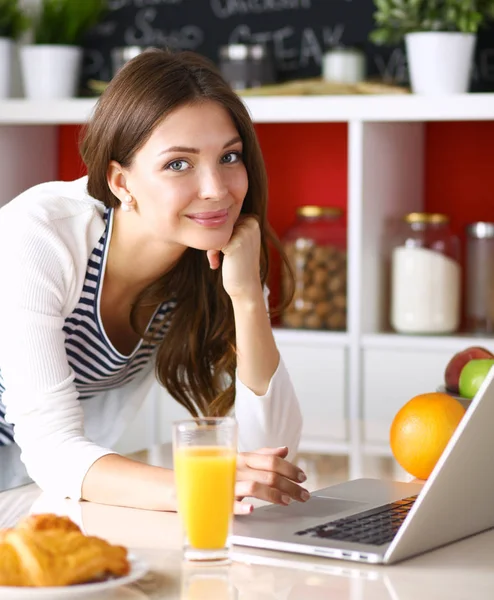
{"x":13,"y":22}
{"x":439,"y":38}
{"x":51,"y":64}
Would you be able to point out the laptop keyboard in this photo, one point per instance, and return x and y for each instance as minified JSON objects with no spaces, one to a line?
{"x":376,"y":526}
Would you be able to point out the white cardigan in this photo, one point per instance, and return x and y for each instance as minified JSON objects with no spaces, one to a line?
{"x":46,"y":237}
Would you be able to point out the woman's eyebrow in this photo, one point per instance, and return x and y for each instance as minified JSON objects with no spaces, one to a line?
{"x":234,"y":140}
{"x":196,"y":150}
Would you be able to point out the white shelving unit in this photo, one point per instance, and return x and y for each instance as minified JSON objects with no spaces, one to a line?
{"x":350,"y":384}
{"x":285,"y":109}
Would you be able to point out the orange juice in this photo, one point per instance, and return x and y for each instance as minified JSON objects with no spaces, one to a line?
{"x":205,"y":481}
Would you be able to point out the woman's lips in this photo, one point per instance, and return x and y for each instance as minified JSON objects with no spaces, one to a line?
{"x":210,"y":219}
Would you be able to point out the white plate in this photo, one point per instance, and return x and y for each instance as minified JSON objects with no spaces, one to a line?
{"x":138,"y":568}
{"x":465,"y":401}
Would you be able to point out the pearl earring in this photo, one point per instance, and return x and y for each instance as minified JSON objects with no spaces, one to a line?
{"x":127,"y":203}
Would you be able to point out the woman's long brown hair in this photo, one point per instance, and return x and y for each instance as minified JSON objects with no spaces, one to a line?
{"x":196,"y":360}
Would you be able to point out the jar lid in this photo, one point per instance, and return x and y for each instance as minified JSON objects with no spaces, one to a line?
{"x":234,"y":52}
{"x":258,"y":51}
{"x":423,"y":217}
{"x":480,"y":230}
{"x":319,"y":211}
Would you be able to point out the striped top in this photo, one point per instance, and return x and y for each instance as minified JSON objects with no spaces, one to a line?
{"x":97,"y":364}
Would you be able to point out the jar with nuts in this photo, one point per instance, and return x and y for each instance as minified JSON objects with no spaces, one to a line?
{"x":316,"y":249}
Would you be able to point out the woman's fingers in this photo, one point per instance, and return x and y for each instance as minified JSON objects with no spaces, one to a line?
{"x":281,"y":451}
{"x":213,"y":258}
{"x":265,"y":474}
{"x":279,"y":491}
{"x":271,"y":463}
{"x":242,"y":508}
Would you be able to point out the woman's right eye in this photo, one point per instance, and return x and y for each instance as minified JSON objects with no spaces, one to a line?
{"x":177,"y":165}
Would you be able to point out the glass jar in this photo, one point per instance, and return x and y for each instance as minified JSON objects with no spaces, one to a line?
{"x":235,"y":66}
{"x":425,"y":276}
{"x":316,"y":249}
{"x":480,"y":278}
{"x":344,"y":65}
{"x":246,"y":66}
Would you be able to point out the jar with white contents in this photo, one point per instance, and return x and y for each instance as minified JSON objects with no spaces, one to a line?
{"x":425,"y":276}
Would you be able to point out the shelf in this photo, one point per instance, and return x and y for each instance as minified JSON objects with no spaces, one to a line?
{"x":306,"y":109}
{"x":56,"y":112}
{"x":282,"y":109}
{"x":423,"y":342}
{"x":311,"y":338}
{"x":375,"y":449}
{"x":309,"y":446}
{"x":378,"y":450}
{"x":381,"y":340}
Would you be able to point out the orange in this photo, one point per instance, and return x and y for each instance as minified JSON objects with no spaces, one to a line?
{"x":421,"y":430}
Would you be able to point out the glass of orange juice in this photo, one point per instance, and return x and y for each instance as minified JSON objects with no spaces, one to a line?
{"x":205,"y":460}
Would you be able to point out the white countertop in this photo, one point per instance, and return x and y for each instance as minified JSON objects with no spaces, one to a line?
{"x":460,"y":571}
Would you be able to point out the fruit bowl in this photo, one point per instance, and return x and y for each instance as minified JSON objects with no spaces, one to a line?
{"x":465,"y":402}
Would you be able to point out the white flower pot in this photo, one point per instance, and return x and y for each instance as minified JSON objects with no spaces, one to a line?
{"x":440,"y":62}
{"x":50,"y":71}
{"x":6,"y":56}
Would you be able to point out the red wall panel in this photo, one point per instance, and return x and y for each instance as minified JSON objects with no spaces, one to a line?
{"x":306,"y":164}
{"x":70,"y":165}
{"x":459,"y":175}
{"x":459,"y":171}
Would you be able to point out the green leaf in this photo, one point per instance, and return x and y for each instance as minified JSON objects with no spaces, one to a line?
{"x":395,"y":18}
{"x":380,"y":36}
{"x":382,"y":4}
{"x":13,"y":21}
{"x":66,"y":21}
{"x":398,"y":14}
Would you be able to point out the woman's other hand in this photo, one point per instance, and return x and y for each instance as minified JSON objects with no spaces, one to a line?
{"x":266,"y":475}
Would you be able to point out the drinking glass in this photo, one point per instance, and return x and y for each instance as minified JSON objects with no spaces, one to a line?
{"x":204,"y":457}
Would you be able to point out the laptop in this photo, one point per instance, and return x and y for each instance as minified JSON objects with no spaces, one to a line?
{"x":384,"y":522}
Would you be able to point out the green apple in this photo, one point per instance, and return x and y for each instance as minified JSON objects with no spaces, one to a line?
{"x":472,"y":376}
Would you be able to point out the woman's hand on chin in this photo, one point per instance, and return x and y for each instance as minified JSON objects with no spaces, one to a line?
{"x":241,"y":259}
{"x":266,"y":475}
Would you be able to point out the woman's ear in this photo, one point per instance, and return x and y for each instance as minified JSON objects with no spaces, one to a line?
{"x":115,"y":176}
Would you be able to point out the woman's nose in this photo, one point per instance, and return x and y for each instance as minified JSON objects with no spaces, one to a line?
{"x":212,"y":186}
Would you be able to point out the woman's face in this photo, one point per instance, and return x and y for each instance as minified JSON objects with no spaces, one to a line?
{"x":189,"y":180}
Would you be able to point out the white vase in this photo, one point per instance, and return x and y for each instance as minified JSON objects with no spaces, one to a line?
{"x":440,"y":62}
{"x":50,"y":71}
{"x":6,"y":56}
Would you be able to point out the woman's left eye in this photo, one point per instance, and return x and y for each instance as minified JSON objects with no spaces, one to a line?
{"x":231,"y":157}
{"x":177,"y":165}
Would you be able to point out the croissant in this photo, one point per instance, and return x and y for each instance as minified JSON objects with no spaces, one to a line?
{"x":47,"y":550}
{"x":47,"y":522}
{"x":10,"y":566}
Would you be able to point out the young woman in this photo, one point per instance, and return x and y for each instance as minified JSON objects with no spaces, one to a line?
{"x":152,"y":266}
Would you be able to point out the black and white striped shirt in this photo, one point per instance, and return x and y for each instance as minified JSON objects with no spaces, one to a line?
{"x":97,"y":365}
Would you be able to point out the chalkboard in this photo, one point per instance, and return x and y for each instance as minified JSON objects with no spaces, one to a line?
{"x":298,"y":32}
